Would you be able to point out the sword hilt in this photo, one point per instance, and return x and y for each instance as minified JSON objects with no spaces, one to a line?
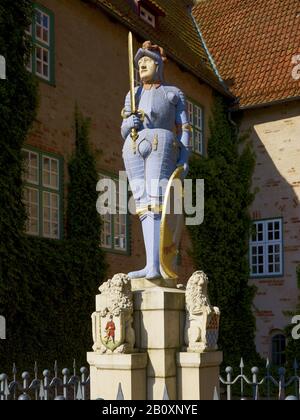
{"x":134,"y":136}
{"x":133,"y":132}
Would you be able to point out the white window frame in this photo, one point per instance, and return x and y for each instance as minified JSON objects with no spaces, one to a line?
{"x":113,"y":223}
{"x":43,"y":188}
{"x":30,"y":217}
{"x":260,"y":253}
{"x":43,"y":46}
{"x":196,"y":120}
{"x":42,"y":62}
{"x":51,"y":172}
{"x":280,"y":337}
{"x":50,"y":220}
{"x":147,"y":16}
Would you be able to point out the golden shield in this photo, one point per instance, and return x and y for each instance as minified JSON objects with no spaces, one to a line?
{"x":172,"y":223}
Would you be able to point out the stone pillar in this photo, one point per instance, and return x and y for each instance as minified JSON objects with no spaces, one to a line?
{"x":198,"y":375}
{"x":159,"y":316}
{"x":107,"y":371}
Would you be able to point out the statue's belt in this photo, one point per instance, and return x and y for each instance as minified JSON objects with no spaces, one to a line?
{"x":150,"y":208}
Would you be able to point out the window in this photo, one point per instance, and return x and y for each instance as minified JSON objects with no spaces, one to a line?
{"x":43,"y":194}
{"x":41,"y":62}
{"x":195,"y":114}
{"x":147,"y":16}
{"x":266,"y":250}
{"x":278,"y":349}
{"x":115,"y":230}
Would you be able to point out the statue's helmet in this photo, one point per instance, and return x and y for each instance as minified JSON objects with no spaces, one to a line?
{"x":157,"y":54}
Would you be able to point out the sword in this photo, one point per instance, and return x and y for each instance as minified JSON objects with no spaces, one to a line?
{"x":133,"y":134}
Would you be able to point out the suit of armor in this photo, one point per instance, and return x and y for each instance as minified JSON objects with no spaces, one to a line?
{"x":163,"y":144}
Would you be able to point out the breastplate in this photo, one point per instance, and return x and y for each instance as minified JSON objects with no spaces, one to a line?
{"x":158,"y":108}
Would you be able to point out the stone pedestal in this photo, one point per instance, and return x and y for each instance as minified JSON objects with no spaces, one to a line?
{"x":198,"y":375}
{"x":107,"y":371}
{"x":159,"y":316}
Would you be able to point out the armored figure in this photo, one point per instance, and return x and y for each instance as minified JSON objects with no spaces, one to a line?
{"x":157,"y":141}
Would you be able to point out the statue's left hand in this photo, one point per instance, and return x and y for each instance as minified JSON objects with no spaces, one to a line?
{"x":186,"y":168}
{"x":183,"y":161}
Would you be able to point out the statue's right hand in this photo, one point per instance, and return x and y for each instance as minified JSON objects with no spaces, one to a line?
{"x":133,"y":122}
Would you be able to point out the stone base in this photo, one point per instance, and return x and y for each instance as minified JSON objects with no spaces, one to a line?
{"x":198,"y":375}
{"x":143,"y":283}
{"x":159,"y":316}
{"x":108,"y":371}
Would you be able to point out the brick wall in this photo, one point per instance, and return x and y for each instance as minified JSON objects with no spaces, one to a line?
{"x":275,"y":134}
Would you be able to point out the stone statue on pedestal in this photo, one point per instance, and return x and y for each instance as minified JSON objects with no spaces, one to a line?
{"x":202,"y":319}
{"x":156,"y":150}
{"x":157,"y":145}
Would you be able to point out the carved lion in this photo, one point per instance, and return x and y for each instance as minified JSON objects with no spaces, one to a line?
{"x":202,"y":319}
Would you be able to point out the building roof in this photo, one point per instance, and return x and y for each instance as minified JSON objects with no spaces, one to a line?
{"x":253,"y":43}
{"x":176,"y":33}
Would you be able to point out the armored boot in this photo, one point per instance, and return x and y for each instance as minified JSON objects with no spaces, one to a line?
{"x":151,"y":233}
{"x":153,"y":239}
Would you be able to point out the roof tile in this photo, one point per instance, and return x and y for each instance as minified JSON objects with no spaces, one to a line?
{"x":253,"y":43}
{"x":176,"y":33}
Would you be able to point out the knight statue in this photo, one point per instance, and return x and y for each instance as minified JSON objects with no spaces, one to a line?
{"x":157,"y":143}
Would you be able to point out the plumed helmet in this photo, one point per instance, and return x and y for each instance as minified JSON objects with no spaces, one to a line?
{"x":156,"y":53}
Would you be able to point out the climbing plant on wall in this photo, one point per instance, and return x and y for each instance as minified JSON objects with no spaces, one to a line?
{"x":47,"y":287}
{"x":220,"y":244}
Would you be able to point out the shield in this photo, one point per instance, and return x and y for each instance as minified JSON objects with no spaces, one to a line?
{"x":172,"y":223}
{"x":112,"y":331}
{"x":212,"y":331}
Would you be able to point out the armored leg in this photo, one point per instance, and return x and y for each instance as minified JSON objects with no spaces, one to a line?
{"x":151,"y":232}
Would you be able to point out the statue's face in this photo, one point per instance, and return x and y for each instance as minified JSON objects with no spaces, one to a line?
{"x":147,"y":69}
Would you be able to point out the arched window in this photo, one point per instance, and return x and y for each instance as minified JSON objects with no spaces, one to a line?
{"x":278,"y":349}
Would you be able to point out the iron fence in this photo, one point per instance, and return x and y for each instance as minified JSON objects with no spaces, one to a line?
{"x":67,"y":386}
{"x":76,"y":386}
{"x":266,"y":386}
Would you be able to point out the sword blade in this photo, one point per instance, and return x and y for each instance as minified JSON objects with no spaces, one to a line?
{"x":131,"y":73}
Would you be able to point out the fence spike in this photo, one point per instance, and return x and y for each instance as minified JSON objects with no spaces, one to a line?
{"x":79,"y":395}
{"x":268,"y":363}
{"x":36,"y":370}
{"x":120,"y":395}
{"x":74,"y":367}
{"x":6,"y":390}
{"x":166,"y":394}
{"x":55,"y":369}
{"x":42,"y":391}
{"x":216,"y":395}
{"x":242,"y":364}
{"x":14,"y":371}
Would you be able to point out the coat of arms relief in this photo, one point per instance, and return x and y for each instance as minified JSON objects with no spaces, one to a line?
{"x":112,"y":323}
